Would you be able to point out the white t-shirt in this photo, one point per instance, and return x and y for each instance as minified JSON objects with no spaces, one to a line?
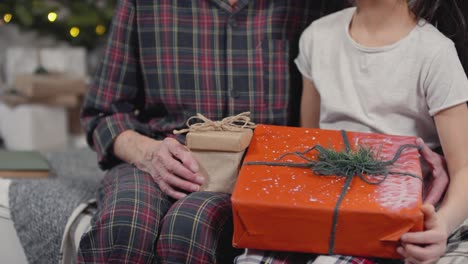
{"x":394,"y":89}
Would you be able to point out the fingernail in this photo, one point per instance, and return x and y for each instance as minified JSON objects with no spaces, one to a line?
{"x":200,"y":179}
{"x":194,"y":167}
{"x":403,"y":237}
{"x":195,"y":188}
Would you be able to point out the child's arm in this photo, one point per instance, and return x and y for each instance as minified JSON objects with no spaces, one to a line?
{"x":452,"y":125}
{"x":310,"y":105}
{"x":310,"y":117}
{"x":419,"y":247}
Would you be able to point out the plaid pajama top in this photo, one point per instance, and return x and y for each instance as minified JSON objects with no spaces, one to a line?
{"x":168,"y":60}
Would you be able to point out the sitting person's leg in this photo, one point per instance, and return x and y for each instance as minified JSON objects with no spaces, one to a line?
{"x":457,"y":246}
{"x":198,"y":229}
{"x":252,"y":256}
{"x":125,"y":228}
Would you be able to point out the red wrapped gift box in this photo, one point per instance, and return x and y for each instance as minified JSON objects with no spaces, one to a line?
{"x":291,"y":209}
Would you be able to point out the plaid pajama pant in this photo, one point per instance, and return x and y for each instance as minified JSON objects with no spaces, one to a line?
{"x":137,"y":223}
{"x":269,"y":257}
{"x":457,"y":253}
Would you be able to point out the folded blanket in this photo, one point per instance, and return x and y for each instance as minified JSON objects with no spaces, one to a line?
{"x":40,"y":208}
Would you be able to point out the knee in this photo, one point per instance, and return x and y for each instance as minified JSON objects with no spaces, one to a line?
{"x":206,"y":212}
{"x":120,"y":224}
{"x":209,"y":200}
{"x":201,"y":206}
{"x":195,"y":230}
{"x":130,"y":212}
{"x":131,"y":209}
{"x":119,"y":236}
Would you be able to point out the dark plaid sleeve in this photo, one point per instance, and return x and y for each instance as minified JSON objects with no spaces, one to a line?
{"x":114,"y":97}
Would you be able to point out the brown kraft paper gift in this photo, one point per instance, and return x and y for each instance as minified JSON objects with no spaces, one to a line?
{"x":219,"y":146}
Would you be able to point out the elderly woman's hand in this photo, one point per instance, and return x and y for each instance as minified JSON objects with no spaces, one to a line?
{"x":170,"y":163}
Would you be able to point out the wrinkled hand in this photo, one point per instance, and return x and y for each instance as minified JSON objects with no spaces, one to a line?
{"x":427,"y":246}
{"x":172,"y":167}
{"x":439,"y":177}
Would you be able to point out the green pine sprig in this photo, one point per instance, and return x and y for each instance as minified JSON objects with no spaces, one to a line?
{"x":363,"y":162}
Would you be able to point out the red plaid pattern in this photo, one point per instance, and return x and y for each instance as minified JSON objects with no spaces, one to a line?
{"x":125,"y":228}
{"x":137,"y":223}
{"x":208,"y":241}
{"x":168,"y":60}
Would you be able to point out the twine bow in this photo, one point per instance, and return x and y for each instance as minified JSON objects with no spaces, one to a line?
{"x":232,"y":123}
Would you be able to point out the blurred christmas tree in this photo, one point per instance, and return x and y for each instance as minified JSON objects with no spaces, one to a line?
{"x":83,"y":22}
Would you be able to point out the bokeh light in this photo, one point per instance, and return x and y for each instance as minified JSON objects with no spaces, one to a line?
{"x":74,"y":32}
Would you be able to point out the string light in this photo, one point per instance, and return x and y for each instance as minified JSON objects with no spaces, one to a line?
{"x":7,"y":17}
{"x":68,"y":20}
{"x":100,"y":30}
{"x":52,"y":16}
{"x":74,"y":32}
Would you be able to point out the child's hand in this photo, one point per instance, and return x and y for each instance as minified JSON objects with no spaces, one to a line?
{"x":438,"y":178}
{"x":427,"y":246}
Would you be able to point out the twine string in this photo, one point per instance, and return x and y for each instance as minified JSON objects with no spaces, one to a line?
{"x":235,"y":123}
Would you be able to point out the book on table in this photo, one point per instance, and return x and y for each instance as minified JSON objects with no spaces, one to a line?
{"x":23,"y":164}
